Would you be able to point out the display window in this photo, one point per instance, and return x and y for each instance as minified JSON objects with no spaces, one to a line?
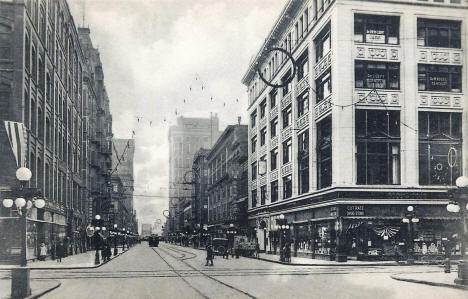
{"x":378,"y":75}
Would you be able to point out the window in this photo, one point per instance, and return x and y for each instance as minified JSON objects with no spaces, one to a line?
{"x":324,"y":153}
{"x":303,"y":104}
{"x":324,"y":86}
{"x":263,"y":137}
{"x":376,"y":29}
{"x":40,"y":117}
{"x":262,"y":165}
{"x":287,"y":88}
{"x":27,"y":52}
{"x":274,"y":191}
{"x":287,"y":186}
{"x":262,"y":109}
{"x":253,"y":119}
{"x":287,"y":116}
{"x":263,"y":193}
{"x":378,"y":75}
{"x":303,"y":65}
{"x":439,"y":33}
{"x":254,"y":171}
{"x":254,"y":144}
{"x":273,"y":127}
{"x":440,"y":133}
{"x":287,"y":151}
{"x":378,"y":147}
{"x":27,"y":112}
{"x":274,"y":159}
{"x":273,"y":94}
{"x":433,"y":77}
{"x":322,"y":43}
{"x":254,"y":198}
{"x":303,"y":159}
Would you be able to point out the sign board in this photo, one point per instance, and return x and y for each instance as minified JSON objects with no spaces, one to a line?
{"x":375,"y":36}
{"x":376,"y":80}
{"x":262,"y":167}
{"x":333,"y":211}
{"x":439,"y":81}
{"x":355,"y":210}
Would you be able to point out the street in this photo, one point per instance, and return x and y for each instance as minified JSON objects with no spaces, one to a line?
{"x":179,"y":272}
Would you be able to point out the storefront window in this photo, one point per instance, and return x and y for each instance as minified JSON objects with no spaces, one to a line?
{"x":440,"y":144}
{"x":439,"y":33}
{"x":376,"y":29}
{"x":378,"y":75}
{"x":324,"y":153}
{"x":323,"y":239}
{"x":378,"y":147}
{"x":433,"y":77}
{"x":303,"y":158}
{"x":287,"y":186}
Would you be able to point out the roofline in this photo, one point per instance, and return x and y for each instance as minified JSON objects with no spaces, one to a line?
{"x":251,"y":69}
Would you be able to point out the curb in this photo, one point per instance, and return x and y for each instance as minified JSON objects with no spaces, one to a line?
{"x":437,"y":284}
{"x":40,"y":294}
{"x":71,"y":268}
{"x":391,"y":264}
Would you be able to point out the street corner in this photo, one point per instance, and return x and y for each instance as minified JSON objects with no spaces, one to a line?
{"x":439,"y":279}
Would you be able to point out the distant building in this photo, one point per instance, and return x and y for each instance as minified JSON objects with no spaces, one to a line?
{"x":122,"y":211}
{"x":146,"y":229}
{"x":199,"y":204}
{"x":227,"y":180}
{"x":185,"y":138}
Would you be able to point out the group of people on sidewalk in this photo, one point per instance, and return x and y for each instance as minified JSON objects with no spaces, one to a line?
{"x":57,"y":252}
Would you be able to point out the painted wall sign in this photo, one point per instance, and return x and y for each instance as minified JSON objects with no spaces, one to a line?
{"x":355,"y":210}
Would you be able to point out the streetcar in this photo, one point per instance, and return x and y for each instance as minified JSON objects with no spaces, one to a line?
{"x":153,"y":241}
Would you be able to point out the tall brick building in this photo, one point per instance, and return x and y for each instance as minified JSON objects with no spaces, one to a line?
{"x":54,"y":86}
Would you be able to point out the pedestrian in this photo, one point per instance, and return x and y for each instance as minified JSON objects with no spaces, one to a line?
{"x":42,"y":252}
{"x":257,"y":250}
{"x":59,"y":252}
{"x":396,"y":250}
{"x":209,"y":255}
{"x":287,"y":253}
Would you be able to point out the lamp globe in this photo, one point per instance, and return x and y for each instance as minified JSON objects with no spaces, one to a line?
{"x":462,"y":182}
{"x":23,"y":174}
{"x":20,"y":202}
{"x":39,"y":203}
{"x":8,"y":203}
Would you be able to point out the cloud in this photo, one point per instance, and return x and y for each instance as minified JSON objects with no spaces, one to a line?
{"x":151,"y":51}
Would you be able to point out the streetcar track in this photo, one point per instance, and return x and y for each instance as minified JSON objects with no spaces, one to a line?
{"x":177,"y":273}
{"x":206,"y":275}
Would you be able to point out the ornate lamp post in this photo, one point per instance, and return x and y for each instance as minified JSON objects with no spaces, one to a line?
{"x":282,"y":226}
{"x":115,"y":239}
{"x":459,"y":205}
{"x":97,"y":222}
{"x":410,"y":219}
{"x":20,"y":286}
{"x":231,"y":232}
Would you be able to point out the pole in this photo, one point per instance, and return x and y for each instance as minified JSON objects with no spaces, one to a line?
{"x":410,"y":260}
{"x":23,"y":225}
{"x":96,"y":245}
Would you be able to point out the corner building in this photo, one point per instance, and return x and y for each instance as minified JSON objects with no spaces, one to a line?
{"x":374,"y":121}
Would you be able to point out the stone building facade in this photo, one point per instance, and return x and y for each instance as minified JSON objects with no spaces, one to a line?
{"x":344,"y":163}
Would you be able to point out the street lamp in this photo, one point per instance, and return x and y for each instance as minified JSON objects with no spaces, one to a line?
{"x":231,"y":232}
{"x":459,"y":205}
{"x":98,"y":225}
{"x":20,"y":283}
{"x":282,"y":226}
{"x":115,"y":239}
{"x":410,"y":219}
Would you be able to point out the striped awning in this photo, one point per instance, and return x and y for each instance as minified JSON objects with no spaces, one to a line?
{"x":17,"y":136}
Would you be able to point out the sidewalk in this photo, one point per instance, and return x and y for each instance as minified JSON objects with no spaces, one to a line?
{"x":439,"y":279}
{"x":306,"y":261}
{"x":82,"y":260}
{"x":38,"y":288}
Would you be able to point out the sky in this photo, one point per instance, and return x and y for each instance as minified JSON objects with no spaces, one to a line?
{"x":157,"y":55}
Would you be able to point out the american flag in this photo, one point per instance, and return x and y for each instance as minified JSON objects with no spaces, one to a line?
{"x":17,"y":136}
